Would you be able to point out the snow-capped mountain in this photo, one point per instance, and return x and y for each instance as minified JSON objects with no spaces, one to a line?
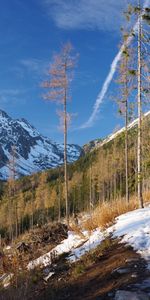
{"x":33,"y":152}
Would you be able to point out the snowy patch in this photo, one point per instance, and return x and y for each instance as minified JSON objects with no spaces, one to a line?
{"x":124,"y":295}
{"x":29,"y":128}
{"x":134,"y":228}
{"x":66,"y":246}
{"x":76,"y":245}
{"x":93,"y":240}
{"x":49,"y":276}
{"x":118,"y":132}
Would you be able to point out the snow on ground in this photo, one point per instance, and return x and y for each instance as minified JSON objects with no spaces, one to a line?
{"x":92,"y":242}
{"x":76,"y":245}
{"x":49,"y":276}
{"x":133,"y":228}
{"x":73,"y":241}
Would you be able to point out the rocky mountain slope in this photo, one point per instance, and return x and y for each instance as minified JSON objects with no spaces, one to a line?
{"x":32,"y":151}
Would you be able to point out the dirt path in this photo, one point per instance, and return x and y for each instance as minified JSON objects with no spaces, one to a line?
{"x":117,"y":267}
{"x":97,"y":276}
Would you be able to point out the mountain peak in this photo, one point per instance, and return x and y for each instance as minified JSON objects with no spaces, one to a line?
{"x":24,"y":120}
{"x":34,"y":152}
{"x":4,"y":114}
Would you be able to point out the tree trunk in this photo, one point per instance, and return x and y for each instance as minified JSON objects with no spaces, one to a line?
{"x":91,"y":200}
{"x":65,"y":158}
{"x":126,"y":139}
{"x":59,"y":200}
{"x":16,"y":215}
{"x":139,"y":148}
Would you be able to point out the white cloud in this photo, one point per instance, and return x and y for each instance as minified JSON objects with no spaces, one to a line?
{"x":86,"y":14}
{"x":33,"y":65}
{"x":11,"y":96}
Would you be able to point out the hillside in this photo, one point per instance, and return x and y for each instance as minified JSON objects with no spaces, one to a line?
{"x":96,"y":177}
{"x":75,"y":211}
{"x":59,"y":262}
{"x":92,"y":145}
{"x":33,"y":152}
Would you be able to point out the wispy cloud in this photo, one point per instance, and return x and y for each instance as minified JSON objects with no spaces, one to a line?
{"x":11,"y":96}
{"x":86,"y":14}
{"x":109,"y":78}
{"x":33,"y":65}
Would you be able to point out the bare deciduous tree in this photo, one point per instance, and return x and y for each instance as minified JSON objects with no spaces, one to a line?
{"x":58,"y":86}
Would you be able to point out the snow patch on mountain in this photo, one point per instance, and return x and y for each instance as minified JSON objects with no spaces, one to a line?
{"x":95,"y":144}
{"x":33,"y":152}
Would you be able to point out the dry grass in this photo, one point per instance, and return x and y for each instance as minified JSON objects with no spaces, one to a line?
{"x":146,"y":196}
{"x":105,"y":214}
{"x":75,"y":228}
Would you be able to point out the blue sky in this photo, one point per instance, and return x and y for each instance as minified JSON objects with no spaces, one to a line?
{"x":31,"y":31}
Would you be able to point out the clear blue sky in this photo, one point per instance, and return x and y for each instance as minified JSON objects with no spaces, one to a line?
{"x":30,"y":32}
